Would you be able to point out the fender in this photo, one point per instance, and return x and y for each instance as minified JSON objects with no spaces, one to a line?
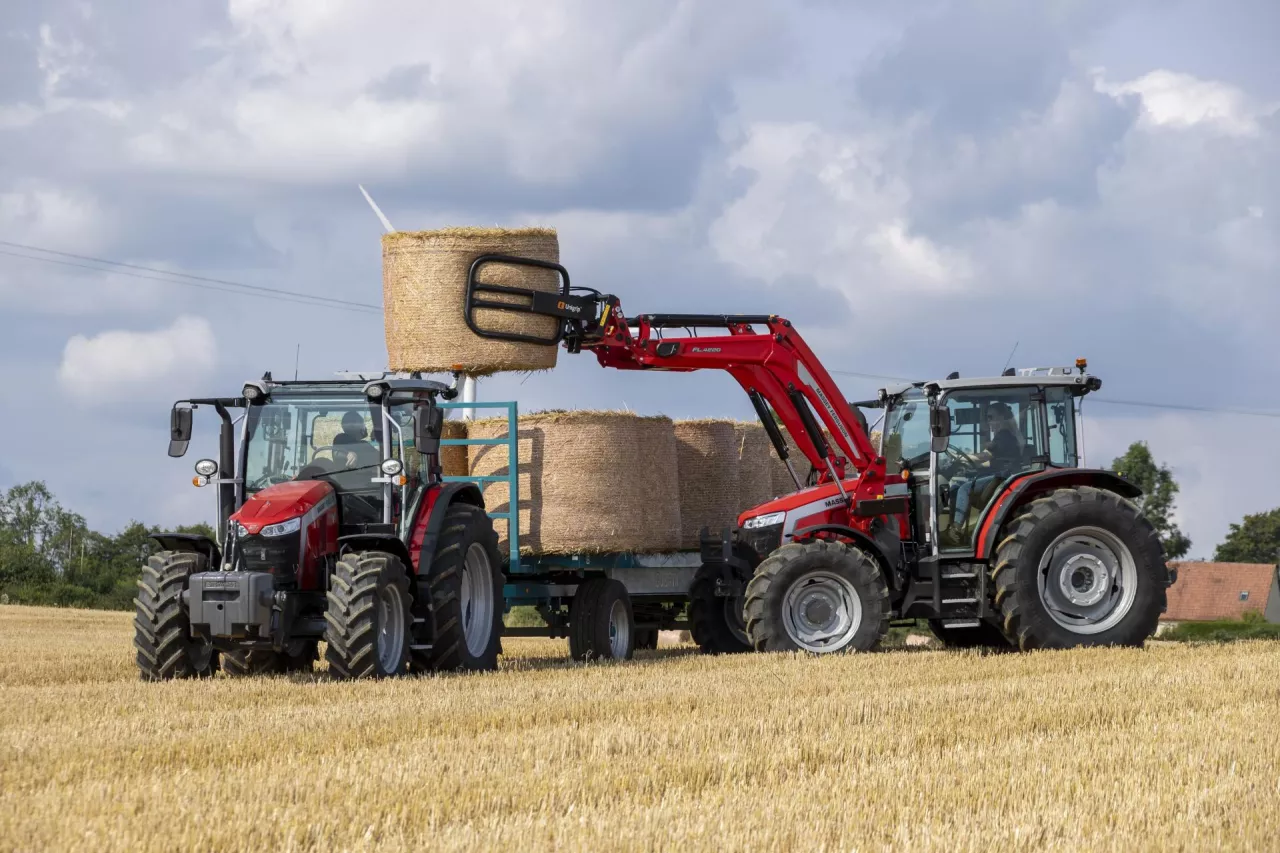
{"x":1023,"y":489}
{"x":190,"y":543}
{"x":886,"y":560}
{"x":422,"y":542}
{"x":375,"y":542}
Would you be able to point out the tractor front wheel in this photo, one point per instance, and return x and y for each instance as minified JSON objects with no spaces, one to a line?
{"x":162,"y":632}
{"x":1080,"y":567}
{"x":820,"y":596}
{"x":367,"y":623}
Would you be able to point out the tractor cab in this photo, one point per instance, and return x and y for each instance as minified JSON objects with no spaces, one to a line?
{"x":960,"y":443}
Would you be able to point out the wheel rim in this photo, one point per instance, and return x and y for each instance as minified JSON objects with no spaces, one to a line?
{"x":735,"y":619}
{"x":619,"y":630}
{"x":476,"y":599}
{"x":821,"y":612}
{"x":390,"y":628}
{"x":1087,"y":580}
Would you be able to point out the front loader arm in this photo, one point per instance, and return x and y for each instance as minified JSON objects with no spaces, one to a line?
{"x":774,"y":364}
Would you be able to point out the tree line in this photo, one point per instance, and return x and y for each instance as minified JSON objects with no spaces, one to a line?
{"x":48,"y":554}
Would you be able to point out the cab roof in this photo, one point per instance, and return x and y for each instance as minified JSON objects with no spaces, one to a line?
{"x":1037,"y":377}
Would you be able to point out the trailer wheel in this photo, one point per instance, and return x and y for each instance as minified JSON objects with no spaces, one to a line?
{"x":601,"y":622}
{"x":716,"y":622}
{"x":985,"y":635}
{"x":162,"y":631}
{"x":1080,"y":567}
{"x":300,"y":656}
{"x":367,"y":623}
{"x":819,"y":596}
{"x":646,"y":639}
{"x":466,"y":594}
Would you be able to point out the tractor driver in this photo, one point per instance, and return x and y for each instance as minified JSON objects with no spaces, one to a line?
{"x":1002,"y":454}
{"x":351,"y":446}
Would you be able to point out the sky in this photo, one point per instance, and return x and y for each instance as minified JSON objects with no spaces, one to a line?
{"x":920,"y":187}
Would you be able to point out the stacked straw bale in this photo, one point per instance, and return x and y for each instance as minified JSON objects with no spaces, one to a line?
{"x":590,"y":482}
{"x":424,"y":285}
{"x":453,"y":460}
{"x":755,"y":473}
{"x":710,"y":493}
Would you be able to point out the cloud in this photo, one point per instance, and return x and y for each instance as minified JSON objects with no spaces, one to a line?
{"x":1182,"y":100}
{"x":149,"y":365}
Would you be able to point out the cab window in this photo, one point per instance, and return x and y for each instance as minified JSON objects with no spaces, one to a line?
{"x":1060,"y":406}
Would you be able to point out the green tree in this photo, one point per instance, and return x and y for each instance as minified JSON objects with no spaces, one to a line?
{"x":1254,"y":540}
{"x":1158,"y":492}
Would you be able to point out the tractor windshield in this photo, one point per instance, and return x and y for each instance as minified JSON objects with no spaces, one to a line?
{"x":327,"y":436}
{"x":906,"y":432}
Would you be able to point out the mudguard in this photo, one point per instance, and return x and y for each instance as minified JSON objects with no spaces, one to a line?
{"x":1022,"y":489}
{"x":191,"y":543}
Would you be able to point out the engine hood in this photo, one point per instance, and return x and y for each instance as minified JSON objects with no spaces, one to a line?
{"x":281,"y":502}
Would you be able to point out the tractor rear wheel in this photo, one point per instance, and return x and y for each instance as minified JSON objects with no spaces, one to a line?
{"x":716,"y":621}
{"x":466,"y":583}
{"x":984,"y":635}
{"x":817,"y":596}
{"x":367,"y":623}
{"x":1080,"y":567}
{"x":300,"y":656}
{"x":162,"y":631}
{"x":601,"y":622}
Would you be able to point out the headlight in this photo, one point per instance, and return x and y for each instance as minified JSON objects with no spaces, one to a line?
{"x":206,"y":467}
{"x":251,"y":392}
{"x":284,"y":528}
{"x":391,"y":467}
{"x":373,"y":392}
{"x":238,"y":529}
{"x":764,"y":520}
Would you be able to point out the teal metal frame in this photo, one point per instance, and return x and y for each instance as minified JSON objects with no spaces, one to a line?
{"x":512,"y":477}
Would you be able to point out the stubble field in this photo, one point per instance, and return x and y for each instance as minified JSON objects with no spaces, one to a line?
{"x":1173,"y":747}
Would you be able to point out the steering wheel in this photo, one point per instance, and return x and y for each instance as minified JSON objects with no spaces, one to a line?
{"x":962,"y":459}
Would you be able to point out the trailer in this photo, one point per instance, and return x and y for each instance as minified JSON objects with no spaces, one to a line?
{"x":607,"y":605}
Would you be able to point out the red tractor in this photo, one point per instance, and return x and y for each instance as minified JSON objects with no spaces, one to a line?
{"x":334,"y":525}
{"x":973,"y":512}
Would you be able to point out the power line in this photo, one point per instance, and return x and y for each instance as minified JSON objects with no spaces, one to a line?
{"x":1255,"y":413}
{"x":186,"y":279}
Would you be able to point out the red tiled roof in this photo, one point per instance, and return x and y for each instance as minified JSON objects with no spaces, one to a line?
{"x":1207,"y":591}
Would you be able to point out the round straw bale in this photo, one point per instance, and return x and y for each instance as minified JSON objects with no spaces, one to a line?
{"x":590,"y":482}
{"x":424,"y":286}
{"x":453,"y":459}
{"x":755,"y":474}
{"x":709,"y":486}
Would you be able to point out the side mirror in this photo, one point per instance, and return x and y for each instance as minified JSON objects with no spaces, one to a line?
{"x":179,"y":431}
{"x":428,"y":420}
{"x":939,"y":428}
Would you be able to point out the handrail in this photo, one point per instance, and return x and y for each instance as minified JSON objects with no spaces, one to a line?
{"x":512,"y":478}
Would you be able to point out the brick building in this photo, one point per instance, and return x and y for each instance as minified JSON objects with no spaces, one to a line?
{"x":1208,"y":591}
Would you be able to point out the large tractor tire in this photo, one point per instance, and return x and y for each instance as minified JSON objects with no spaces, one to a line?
{"x":1079,"y":567}
{"x":300,"y":656}
{"x":466,"y":583}
{"x":367,"y":623}
{"x":820,"y":596}
{"x":602,"y":625}
{"x":716,"y":622}
{"x":162,"y":632}
{"x":984,"y":635}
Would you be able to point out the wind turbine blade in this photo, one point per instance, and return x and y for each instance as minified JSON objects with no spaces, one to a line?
{"x":385,"y":222}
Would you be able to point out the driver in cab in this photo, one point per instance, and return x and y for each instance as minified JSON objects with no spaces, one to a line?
{"x":1002,"y":454}
{"x":351,"y":448}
